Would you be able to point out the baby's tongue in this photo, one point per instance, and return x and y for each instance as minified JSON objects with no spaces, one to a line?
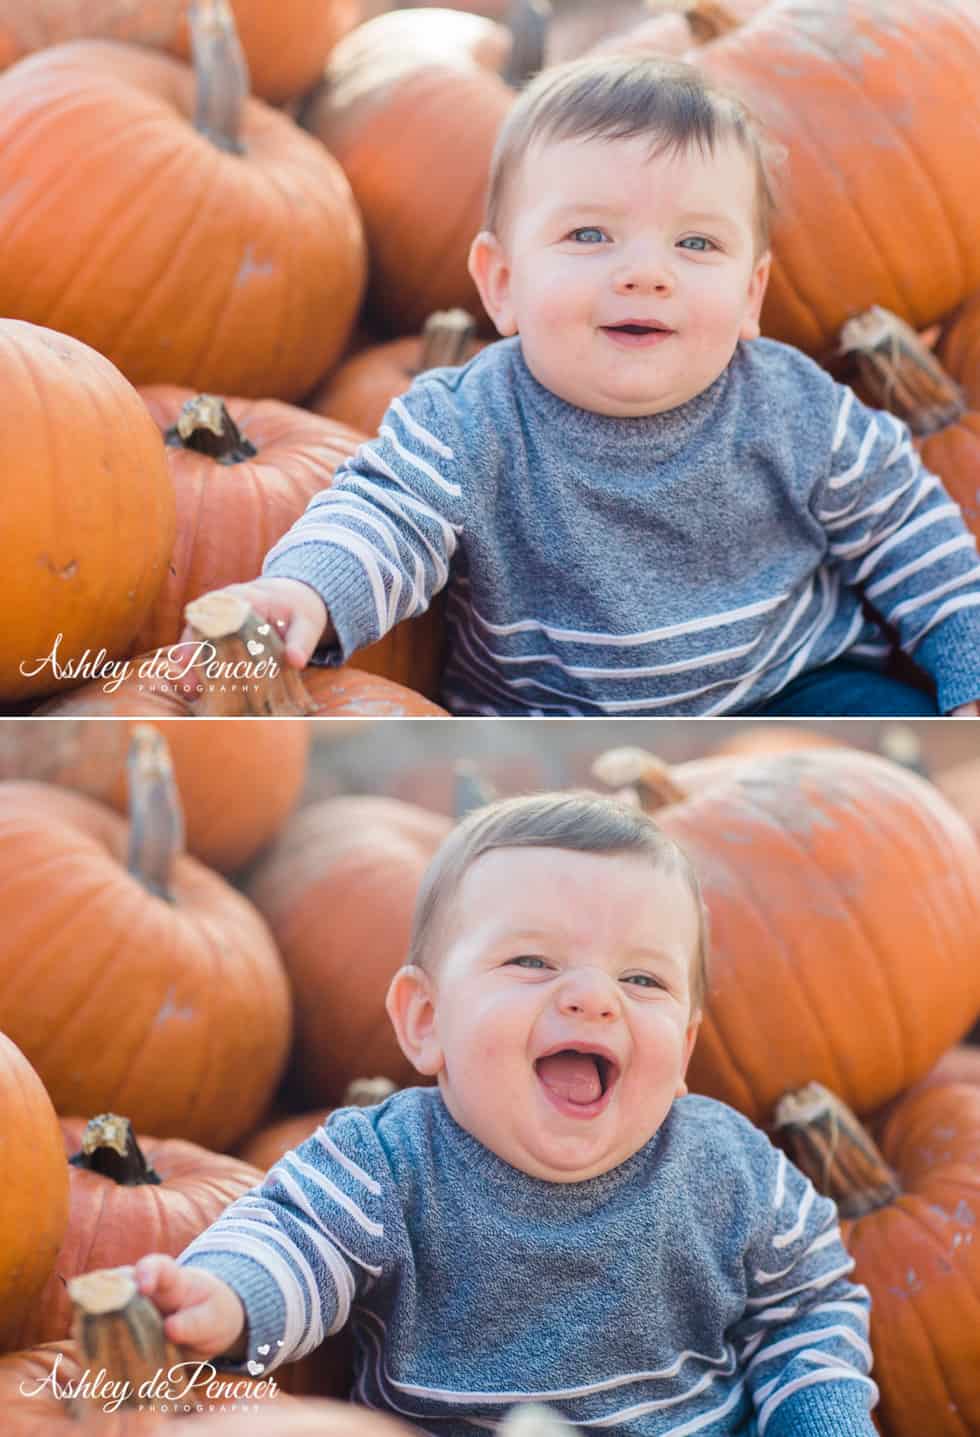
{"x":573,"y":1076}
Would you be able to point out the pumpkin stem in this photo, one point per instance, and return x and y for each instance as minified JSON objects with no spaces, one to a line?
{"x":445,"y":338}
{"x":365,"y":1092}
{"x":251,"y":654}
{"x":639,"y":776}
{"x":156,"y":819}
{"x":709,"y":20}
{"x":827,"y":1142}
{"x":109,"y":1147}
{"x":205,"y":426}
{"x":221,"y":71}
{"x":118,"y":1330}
{"x":527,"y":21}
{"x":899,"y":373}
{"x":470,"y":788}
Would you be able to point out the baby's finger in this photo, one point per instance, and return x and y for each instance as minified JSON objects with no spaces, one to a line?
{"x":193,"y":1326}
{"x":300,"y":640}
{"x":159,"y":1277}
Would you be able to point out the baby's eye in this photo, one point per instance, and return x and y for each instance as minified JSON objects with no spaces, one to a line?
{"x":643,"y":980}
{"x":597,"y":235}
{"x":528,"y":960}
{"x":700,"y":242}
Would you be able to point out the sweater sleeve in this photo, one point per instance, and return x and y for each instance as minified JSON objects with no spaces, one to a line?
{"x":895,"y":534}
{"x":803,"y":1339}
{"x":302,"y":1247}
{"x":377,"y":545}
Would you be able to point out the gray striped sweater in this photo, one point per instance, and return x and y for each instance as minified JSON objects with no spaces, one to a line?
{"x":699,"y":1287}
{"x":690,"y":562}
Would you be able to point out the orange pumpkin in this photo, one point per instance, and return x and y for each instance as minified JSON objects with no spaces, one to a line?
{"x":129,"y":1196}
{"x":243,"y":472}
{"x":410,"y":105}
{"x":89,"y":515}
{"x":285,"y":45}
{"x":170,"y":1002}
{"x":360,"y":391}
{"x":33,"y":1190}
{"x":338,"y":890}
{"x":834,"y":879}
{"x":32,"y":1407}
{"x":228,"y":258}
{"x":822,"y":79}
{"x":232,"y":808}
{"x":908,"y":1218}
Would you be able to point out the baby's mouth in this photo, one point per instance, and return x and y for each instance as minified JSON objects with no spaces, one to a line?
{"x":576,"y":1076}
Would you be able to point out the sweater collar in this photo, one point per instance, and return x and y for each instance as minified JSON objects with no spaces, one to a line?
{"x":518,"y":1189}
{"x":657,"y":436}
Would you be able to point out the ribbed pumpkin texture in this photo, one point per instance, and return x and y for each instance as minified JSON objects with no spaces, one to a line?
{"x":33,"y":1190}
{"x":338,"y":889}
{"x":237,"y":785}
{"x":89,"y":514}
{"x":238,"y":273}
{"x":171,"y":1009}
{"x":285,"y":44}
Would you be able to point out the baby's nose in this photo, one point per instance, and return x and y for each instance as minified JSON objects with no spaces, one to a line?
{"x":588,"y":997}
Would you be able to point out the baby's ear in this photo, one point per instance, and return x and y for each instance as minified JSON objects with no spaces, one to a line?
{"x":757,"y":292}
{"x":410,"y":1004}
{"x":490,"y":271}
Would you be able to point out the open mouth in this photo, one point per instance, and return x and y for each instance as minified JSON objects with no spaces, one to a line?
{"x":576,"y":1079}
{"x":634,"y":335}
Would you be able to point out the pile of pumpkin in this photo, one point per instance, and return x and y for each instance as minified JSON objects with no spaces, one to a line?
{"x":224,"y":1020}
{"x":268,"y":300}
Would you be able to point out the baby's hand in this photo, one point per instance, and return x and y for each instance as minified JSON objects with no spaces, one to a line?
{"x":297,"y":611}
{"x":201,"y":1312}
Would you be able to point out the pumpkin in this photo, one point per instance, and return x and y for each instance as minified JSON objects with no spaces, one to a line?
{"x":908,"y":1197}
{"x":234,"y":666}
{"x":232,"y":808}
{"x":285,"y":46}
{"x":360,"y":391}
{"x":276,"y":1138}
{"x":225,"y":254}
{"x":170,"y":1003}
{"x":33,"y":1400}
{"x":338,"y":888}
{"x":834,"y":880}
{"x":129,"y":1196}
{"x":874,"y":200}
{"x":410,"y":106}
{"x":243,"y":472}
{"x":33,"y":1190}
{"x":89,"y":514}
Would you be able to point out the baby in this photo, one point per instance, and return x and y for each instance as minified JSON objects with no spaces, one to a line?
{"x":637,"y":505}
{"x":554,"y":1220}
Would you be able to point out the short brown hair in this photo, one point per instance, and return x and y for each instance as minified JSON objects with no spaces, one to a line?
{"x":580,"y":821}
{"x":620,"y":97}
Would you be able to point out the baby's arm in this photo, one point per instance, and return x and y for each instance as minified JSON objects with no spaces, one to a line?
{"x":803,"y":1341}
{"x":294,"y":1252}
{"x":895,"y":534}
{"x":377,"y":545}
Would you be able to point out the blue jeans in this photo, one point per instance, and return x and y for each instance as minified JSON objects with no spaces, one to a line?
{"x":846,"y":689}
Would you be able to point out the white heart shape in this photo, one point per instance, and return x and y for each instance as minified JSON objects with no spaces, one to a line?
{"x":263,"y":1349}
{"x":255,"y":1368}
{"x":254,"y":648}
{"x":278,"y":1344}
{"x":262,"y":629}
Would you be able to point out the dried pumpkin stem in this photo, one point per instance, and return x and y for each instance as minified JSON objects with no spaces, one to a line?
{"x":118,"y":1330}
{"x":221,"y":71}
{"x":365,"y":1092}
{"x":205,"y":426}
{"x":109,"y":1147}
{"x":445,"y":338}
{"x":899,"y":373}
{"x":527,"y":21}
{"x":634,"y":771}
{"x":827,"y":1142}
{"x":156,"y":819}
{"x":251,"y":674}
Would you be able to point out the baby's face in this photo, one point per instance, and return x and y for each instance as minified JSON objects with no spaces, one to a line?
{"x":598,"y":235}
{"x":563,"y":1009}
